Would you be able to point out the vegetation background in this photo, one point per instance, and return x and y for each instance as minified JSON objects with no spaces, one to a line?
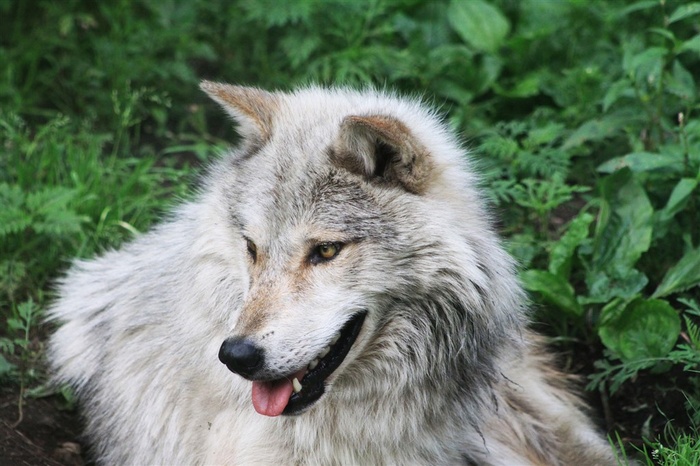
{"x":583,"y":117}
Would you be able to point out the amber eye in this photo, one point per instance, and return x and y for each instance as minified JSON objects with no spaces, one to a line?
{"x":252,"y":249}
{"x":325,"y":252}
{"x":328,"y":250}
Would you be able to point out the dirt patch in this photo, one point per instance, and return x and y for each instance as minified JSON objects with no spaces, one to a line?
{"x":46,"y":435}
{"x":644,"y":406}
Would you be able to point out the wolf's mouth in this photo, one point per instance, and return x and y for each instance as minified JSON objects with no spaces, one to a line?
{"x":306,"y":386}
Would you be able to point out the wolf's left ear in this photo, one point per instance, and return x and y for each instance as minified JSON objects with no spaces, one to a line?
{"x":382,"y":146}
{"x":252,"y":109}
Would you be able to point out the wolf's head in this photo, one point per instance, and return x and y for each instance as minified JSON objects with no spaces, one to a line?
{"x":370,"y":260}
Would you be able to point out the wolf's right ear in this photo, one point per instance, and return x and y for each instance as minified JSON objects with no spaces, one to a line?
{"x":381,"y":146}
{"x":252,"y":109}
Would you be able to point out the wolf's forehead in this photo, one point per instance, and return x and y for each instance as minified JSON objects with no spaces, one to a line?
{"x":309,"y":200}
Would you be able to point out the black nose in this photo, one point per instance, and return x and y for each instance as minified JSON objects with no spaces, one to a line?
{"x":241,"y":356}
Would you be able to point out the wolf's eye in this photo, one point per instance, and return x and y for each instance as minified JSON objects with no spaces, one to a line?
{"x":252,"y":249}
{"x":325,"y":252}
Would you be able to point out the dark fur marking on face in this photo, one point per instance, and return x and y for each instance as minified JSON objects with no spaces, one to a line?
{"x":342,"y":204}
{"x":467,"y":461}
{"x":249,"y":150}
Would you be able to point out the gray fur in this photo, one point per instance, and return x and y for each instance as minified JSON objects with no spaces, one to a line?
{"x":444,"y":370}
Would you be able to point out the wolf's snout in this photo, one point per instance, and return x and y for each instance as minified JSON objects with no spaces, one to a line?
{"x":241,"y":356}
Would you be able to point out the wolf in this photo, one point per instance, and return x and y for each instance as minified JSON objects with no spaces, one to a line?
{"x":335,"y":293}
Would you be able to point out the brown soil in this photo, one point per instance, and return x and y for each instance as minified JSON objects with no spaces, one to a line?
{"x":642,"y":407}
{"x":45,"y":436}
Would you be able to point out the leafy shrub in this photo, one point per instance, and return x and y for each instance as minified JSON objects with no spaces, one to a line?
{"x":639,"y":263}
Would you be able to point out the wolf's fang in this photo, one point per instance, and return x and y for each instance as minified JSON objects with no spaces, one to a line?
{"x":335,"y":339}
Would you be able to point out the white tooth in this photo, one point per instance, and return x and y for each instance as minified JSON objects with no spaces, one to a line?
{"x":335,"y":338}
{"x":296,"y":385}
{"x":313,"y":364}
{"x":325,"y":351}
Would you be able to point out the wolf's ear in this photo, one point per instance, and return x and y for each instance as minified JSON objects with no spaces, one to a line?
{"x":252,"y":109}
{"x":382,"y":146}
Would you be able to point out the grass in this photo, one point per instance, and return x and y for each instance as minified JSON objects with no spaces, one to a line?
{"x":680,"y":449}
{"x":582,"y":115}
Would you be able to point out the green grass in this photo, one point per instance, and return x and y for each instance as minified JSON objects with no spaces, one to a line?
{"x":583,"y":117}
{"x":676,"y":449}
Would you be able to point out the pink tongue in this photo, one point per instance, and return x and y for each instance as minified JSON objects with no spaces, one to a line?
{"x":270,"y":398}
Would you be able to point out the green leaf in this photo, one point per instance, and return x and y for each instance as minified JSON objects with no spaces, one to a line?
{"x":624,"y":229}
{"x":563,"y":250}
{"x":597,"y":130}
{"x":27,"y":310}
{"x":685,"y":274}
{"x":604,"y":286}
{"x":612,"y":311}
{"x":544,"y":195}
{"x":13,"y":323}
{"x":299,"y":48}
{"x":693,"y":306}
{"x":554,"y":289}
{"x":51,"y":213}
{"x":491,"y":67}
{"x":13,"y":215}
{"x":59,"y":222}
{"x":663,"y":33}
{"x":680,"y":195}
{"x":50,"y":199}
{"x":478,"y":23}
{"x":676,"y":202}
{"x":641,"y":162}
{"x":275,"y":13}
{"x":526,"y":86}
{"x":13,"y":273}
{"x":619,"y":89}
{"x":684,"y":11}
{"x":681,"y":82}
{"x":643,"y":5}
{"x":523,"y":247}
{"x":692,"y":45}
{"x":693,"y":331}
{"x":544,"y":135}
{"x":452,"y":90}
{"x":6,"y":367}
{"x":646,"y":67}
{"x":644,"y":329}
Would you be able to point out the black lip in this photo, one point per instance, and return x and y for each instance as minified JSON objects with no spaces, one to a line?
{"x":313,"y":381}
